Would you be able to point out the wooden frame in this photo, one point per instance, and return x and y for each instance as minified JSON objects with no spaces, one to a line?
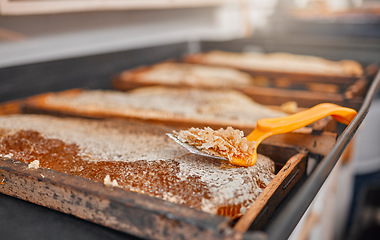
{"x":120,"y":209}
{"x":136,"y":213}
{"x":319,"y":138}
{"x":36,"y":104}
{"x":307,"y":90}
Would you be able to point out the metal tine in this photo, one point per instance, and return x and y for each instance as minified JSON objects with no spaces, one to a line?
{"x":193,"y":149}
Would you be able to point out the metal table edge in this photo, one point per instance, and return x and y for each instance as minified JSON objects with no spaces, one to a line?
{"x":287,"y":220}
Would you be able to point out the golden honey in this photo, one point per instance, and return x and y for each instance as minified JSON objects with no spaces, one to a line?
{"x":153,"y":178}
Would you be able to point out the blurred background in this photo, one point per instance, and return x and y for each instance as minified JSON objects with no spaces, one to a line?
{"x":60,"y":44}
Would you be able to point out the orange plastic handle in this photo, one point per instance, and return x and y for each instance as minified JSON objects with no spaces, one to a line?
{"x":272,"y":126}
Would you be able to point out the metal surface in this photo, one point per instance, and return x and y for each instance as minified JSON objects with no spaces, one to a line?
{"x":283,"y":225}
